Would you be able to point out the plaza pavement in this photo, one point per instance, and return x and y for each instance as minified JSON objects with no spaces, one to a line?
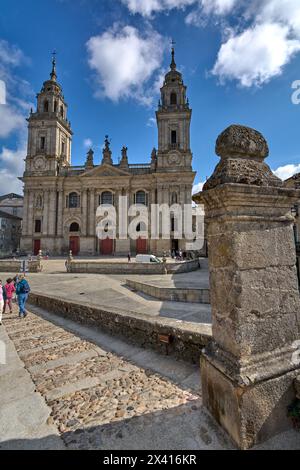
{"x":110,"y":291}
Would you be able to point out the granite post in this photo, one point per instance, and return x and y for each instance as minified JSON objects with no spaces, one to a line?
{"x":248,"y":371}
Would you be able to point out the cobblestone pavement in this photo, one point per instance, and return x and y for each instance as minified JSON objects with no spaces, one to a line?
{"x":93,"y":394}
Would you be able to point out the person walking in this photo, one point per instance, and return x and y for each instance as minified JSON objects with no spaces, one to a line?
{"x":16,"y":280}
{"x":9,"y":290}
{"x":22,"y":292}
{"x":129,"y":257}
{"x":1,"y":301}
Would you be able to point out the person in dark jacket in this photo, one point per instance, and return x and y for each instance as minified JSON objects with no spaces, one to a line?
{"x":22,"y":292}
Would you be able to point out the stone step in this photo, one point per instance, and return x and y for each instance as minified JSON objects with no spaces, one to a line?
{"x":172,"y":294}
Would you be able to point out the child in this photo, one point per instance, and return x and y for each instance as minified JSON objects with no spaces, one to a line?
{"x":10,"y":289}
{"x":1,"y":301}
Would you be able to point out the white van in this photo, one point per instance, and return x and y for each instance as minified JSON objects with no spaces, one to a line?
{"x":147,"y":259}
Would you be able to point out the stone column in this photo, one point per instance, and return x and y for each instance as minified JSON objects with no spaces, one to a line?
{"x":92,"y":213}
{"x":84,"y":211}
{"x":52,"y":212}
{"x":60,"y":213}
{"x":249,"y":367}
{"x":30,"y":227}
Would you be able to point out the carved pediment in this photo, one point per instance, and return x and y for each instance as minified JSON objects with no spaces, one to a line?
{"x":105,"y":171}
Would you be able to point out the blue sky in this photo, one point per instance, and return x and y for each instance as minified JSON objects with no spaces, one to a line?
{"x":239,"y":59}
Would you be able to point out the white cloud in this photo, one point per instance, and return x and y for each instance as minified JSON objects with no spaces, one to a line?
{"x":217,"y":7}
{"x":87,"y":143}
{"x":282,"y":11}
{"x":256,"y":55}
{"x":125,"y":62}
{"x":197,"y":188}
{"x":14,"y":107}
{"x":260,"y":51}
{"x":10,"y":55}
{"x":151,"y":122}
{"x":2,"y":92}
{"x":286,"y":171}
{"x":148,"y":7}
{"x":11,"y":167}
{"x":10,"y":120}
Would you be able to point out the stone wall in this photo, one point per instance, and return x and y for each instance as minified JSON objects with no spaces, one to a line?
{"x":106,"y":267}
{"x":13,"y":267}
{"x":187,"y":339}
{"x":173,"y":294}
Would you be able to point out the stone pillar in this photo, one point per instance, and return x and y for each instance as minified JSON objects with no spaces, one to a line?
{"x":84,"y":211}
{"x":60,"y":213}
{"x":30,"y":222}
{"x":92,"y":213}
{"x":249,"y":367}
{"x":52,"y":212}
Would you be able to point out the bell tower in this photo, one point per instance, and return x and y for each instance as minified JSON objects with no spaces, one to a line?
{"x":173,"y":121}
{"x":49,"y":131}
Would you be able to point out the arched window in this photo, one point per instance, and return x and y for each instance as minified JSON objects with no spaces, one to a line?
{"x":74,"y":227}
{"x":106,"y":198}
{"x":55,"y":106}
{"x":46,"y":106}
{"x":141,"y":227}
{"x":141,"y":198}
{"x":62,"y":111}
{"x":173,"y":99}
{"x":73,"y":200}
{"x":173,"y":137}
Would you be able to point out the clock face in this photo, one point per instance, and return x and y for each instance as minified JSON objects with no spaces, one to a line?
{"x":174,"y":159}
{"x":39,"y":163}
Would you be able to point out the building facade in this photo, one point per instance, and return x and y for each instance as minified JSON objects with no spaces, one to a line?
{"x":12,"y":204}
{"x":60,"y":200}
{"x":10,"y":234}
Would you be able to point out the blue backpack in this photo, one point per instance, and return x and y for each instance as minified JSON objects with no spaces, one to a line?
{"x":24,"y":287}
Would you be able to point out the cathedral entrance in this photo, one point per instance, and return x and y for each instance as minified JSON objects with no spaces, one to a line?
{"x":141,"y":246}
{"x":74,"y":245}
{"x":107,"y":246}
{"x":36,"y":247}
{"x":175,"y":245}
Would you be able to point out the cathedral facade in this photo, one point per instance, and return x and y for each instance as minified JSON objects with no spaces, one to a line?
{"x":60,"y":200}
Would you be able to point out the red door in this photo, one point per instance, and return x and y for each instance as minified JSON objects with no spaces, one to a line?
{"x":36,"y":247}
{"x":141,"y":246}
{"x":74,"y":245}
{"x":106,"y":246}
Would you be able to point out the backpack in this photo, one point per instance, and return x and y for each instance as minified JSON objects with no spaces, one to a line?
{"x":24,"y":287}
